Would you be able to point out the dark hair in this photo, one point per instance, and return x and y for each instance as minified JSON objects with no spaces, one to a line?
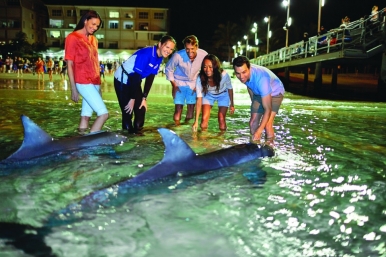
{"x":192,"y":39}
{"x":165,"y":39}
{"x":87,"y":16}
{"x":240,"y":61}
{"x":217,"y":70}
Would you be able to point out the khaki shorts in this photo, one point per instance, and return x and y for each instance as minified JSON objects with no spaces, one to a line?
{"x":257,"y":106}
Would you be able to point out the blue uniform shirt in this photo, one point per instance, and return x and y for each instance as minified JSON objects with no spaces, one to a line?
{"x":144,"y":61}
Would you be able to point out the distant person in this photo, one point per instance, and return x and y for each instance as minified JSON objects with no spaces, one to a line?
{"x":102,"y":70}
{"x":213,"y":85}
{"x":266,"y":92}
{"x":50,"y":68}
{"x":374,"y":14}
{"x":322,"y":30}
{"x":182,"y":70}
{"x":144,"y":63}
{"x":60,"y":65}
{"x":20,"y":67}
{"x":81,"y":48}
{"x":373,"y":19}
{"x":39,"y":68}
{"x":109,"y":69}
{"x":7,"y":64}
{"x":345,"y":22}
{"x":305,"y":42}
{"x":63,"y":70}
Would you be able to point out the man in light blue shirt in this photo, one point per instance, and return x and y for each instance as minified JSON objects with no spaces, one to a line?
{"x":182,"y":70}
{"x":266,"y":92}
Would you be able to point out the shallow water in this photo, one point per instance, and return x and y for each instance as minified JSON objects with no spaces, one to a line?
{"x":323,"y":194}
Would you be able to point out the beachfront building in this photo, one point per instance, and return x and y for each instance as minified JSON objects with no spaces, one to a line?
{"x":27,"y":16}
{"x":124,"y":29}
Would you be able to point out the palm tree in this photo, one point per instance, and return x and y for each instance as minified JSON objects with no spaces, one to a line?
{"x":20,"y":45}
{"x":225,"y":36}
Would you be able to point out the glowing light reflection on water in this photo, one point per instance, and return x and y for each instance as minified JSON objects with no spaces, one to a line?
{"x":323,"y":194}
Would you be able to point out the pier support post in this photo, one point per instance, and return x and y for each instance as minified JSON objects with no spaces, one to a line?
{"x":305,"y":81}
{"x":286,"y":77}
{"x":318,"y":81}
{"x":382,"y":79}
{"x":334,"y":78}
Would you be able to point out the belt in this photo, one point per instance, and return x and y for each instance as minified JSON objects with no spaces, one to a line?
{"x":220,"y":93}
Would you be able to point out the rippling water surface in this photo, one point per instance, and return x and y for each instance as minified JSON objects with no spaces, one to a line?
{"x":323,"y":194}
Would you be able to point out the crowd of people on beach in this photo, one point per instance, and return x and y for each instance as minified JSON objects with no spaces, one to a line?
{"x":20,"y":66}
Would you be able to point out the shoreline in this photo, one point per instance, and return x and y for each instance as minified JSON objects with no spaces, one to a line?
{"x":361,"y":87}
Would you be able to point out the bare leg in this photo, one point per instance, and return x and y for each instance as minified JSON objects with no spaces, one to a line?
{"x":189,"y":112}
{"x":270,"y":133}
{"x":98,"y":123}
{"x":177,"y":113}
{"x":84,"y":121}
{"x":254,"y":122}
{"x":205,"y":116}
{"x":222,"y":113}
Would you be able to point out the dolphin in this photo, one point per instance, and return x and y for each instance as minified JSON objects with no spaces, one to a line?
{"x":37,"y":142}
{"x":179,"y":160}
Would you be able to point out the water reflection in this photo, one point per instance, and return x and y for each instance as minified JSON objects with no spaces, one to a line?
{"x":323,"y":194}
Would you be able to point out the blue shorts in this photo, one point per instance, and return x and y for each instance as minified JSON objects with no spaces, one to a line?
{"x":222,"y":99}
{"x":186,"y":95}
{"x":257,"y":106}
{"x":92,"y":100}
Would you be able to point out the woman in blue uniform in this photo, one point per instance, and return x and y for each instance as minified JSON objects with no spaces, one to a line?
{"x":144,"y":63}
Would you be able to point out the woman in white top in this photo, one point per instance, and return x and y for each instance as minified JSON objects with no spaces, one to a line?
{"x":213,"y":84}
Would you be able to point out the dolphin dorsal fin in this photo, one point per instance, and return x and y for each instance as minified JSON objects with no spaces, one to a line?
{"x":175,"y":148}
{"x":33,"y":134}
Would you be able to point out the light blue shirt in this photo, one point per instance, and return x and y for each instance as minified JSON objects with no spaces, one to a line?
{"x":225,"y":84}
{"x":263,"y":82}
{"x":181,"y":70}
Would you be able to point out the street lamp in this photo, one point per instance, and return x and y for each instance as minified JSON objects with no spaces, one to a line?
{"x":254,"y":30}
{"x":286,"y":3}
{"x":240,"y":49}
{"x":268,"y":21}
{"x":321,"y":4}
{"x":246,"y":45}
{"x":234,"y":51}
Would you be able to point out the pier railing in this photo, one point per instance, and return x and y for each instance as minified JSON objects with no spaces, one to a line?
{"x":359,"y":36}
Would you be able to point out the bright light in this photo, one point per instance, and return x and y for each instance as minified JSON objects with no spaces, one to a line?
{"x":289,"y":21}
{"x":270,"y":34}
{"x":285,"y":3}
{"x":266,"y":19}
{"x":253,"y":30}
{"x":245,"y":37}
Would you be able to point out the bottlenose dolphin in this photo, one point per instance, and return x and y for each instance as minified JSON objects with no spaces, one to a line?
{"x":37,"y":142}
{"x":180,"y":160}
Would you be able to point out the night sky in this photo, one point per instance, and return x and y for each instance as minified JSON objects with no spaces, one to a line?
{"x":201,"y":17}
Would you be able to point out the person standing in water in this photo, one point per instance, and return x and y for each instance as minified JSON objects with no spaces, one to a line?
{"x":81,"y":50}
{"x":182,"y":70}
{"x":213,"y":84}
{"x":144,"y":63}
{"x":266,"y":92}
